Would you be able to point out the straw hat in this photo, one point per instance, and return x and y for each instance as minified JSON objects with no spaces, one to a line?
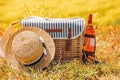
{"x":30,"y":47}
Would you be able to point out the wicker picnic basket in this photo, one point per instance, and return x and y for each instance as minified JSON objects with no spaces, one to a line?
{"x":66,"y":32}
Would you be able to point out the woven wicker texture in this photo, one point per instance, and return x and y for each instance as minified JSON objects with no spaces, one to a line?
{"x":75,"y":49}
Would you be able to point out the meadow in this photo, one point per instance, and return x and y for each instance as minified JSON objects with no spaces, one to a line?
{"x":106,"y":21}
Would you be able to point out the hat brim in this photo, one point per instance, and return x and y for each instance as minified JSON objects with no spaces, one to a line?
{"x":47,"y":58}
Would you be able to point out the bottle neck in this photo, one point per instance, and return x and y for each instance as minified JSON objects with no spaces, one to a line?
{"x":89,"y":20}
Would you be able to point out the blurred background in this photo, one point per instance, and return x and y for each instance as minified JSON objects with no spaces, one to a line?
{"x":104,"y":12}
{"x":106,"y":21}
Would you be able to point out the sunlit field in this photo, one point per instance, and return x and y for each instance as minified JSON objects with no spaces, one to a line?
{"x":106,"y":21}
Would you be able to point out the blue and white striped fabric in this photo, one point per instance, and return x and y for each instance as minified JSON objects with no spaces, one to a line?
{"x":77,"y":25}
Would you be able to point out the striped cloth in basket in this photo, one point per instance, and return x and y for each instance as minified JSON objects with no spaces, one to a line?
{"x":58,"y":28}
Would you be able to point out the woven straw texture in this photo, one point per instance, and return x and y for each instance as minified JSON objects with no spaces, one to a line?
{"x":48,"y":41}
{"x":27,"y":47}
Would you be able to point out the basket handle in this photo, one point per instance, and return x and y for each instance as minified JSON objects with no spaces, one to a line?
{"x":16,"y":22}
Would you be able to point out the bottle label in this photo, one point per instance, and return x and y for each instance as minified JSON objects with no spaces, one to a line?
{"x":92,"y":42}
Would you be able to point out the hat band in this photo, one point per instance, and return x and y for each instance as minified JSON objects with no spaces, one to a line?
{"x":35,"y":62}
{"x":39,"y":59}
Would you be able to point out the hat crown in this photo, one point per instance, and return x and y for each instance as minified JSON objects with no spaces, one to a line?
{"x":27,"y":46}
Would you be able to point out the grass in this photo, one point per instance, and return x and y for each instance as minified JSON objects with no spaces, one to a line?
{"x":106,"y":21}
{"x":68,"y":71}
